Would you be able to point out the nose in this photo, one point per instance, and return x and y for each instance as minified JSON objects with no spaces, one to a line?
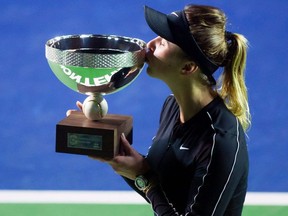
{"x":152,"y":44}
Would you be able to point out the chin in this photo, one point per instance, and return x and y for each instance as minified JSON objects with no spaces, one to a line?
{"x":149,"y":72}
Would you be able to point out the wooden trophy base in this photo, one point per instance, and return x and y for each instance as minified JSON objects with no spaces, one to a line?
{"x":78,"y":135}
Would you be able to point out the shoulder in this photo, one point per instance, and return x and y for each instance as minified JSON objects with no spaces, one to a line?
{"x":222,"y":119}
{"x":229,"y":134}
{"x":230,"y":145}
{"x":170,"y":101}
{"x":169,"y":107}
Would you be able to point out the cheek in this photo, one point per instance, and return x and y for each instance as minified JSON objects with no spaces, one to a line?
{"x":162,"y":61}
{"x":160,"y":68}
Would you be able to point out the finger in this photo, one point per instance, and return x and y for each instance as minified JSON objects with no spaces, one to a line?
{"x":118,"y":161}
{"x":79,"y":105}
{"x":125,"y":145}
{"x":121,"y":150}
{"x":69,"y":112}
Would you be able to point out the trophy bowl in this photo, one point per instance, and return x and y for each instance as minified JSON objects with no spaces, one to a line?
{"x":94,"y":65}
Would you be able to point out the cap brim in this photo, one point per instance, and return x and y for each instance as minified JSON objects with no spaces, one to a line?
{"x":158,"y":22}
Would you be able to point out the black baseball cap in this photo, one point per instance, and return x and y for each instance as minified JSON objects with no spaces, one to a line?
{"x":174,"y":27}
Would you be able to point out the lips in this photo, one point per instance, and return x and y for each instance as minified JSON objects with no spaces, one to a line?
{"x":148,"y":52}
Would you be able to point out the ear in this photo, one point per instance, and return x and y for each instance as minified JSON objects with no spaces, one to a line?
{"x":189,"y":68}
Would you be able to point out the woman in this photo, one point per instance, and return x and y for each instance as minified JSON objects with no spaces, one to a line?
{"x":198,"y":162}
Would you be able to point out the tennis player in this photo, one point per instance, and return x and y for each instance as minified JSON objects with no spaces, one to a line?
{"x":198,"y":161}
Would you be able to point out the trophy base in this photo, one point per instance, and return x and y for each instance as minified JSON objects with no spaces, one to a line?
{"x":78,"y":135}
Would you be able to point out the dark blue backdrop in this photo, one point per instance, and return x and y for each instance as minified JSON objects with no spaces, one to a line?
{"x":33,"y":100}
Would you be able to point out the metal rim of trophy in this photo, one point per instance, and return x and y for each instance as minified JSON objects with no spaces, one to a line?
{"x":96,"y":51}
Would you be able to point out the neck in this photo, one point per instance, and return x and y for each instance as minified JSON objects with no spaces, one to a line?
{"x":192,"y":100}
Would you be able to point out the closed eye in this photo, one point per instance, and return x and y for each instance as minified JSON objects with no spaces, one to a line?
{"x":163,"y":42}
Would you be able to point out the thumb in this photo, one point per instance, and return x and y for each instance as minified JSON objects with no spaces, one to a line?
{"x":125,"y":145}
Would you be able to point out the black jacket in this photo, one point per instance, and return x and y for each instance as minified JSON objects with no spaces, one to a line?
{"x":202,"y":165}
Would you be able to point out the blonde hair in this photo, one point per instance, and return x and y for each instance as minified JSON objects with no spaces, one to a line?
{"x":229,"y":50}
{"x":231,"y":83}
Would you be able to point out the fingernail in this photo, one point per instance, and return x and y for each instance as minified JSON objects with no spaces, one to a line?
{"x":68,"y":112}
{"x":123,"y":135}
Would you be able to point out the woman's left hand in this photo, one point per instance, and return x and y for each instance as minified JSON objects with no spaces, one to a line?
{"x":128,"y":163}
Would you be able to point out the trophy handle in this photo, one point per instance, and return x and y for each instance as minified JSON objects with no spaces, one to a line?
{"x":95,"y":107}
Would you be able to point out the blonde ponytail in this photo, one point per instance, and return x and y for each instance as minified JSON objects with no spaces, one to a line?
{"x":229,"y":50}
{"x":231,"y":85}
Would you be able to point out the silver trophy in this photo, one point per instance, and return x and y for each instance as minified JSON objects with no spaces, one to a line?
{"x":94,"y":65}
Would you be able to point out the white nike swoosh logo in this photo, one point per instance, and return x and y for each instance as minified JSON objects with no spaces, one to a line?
{"x":183,"y":148}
